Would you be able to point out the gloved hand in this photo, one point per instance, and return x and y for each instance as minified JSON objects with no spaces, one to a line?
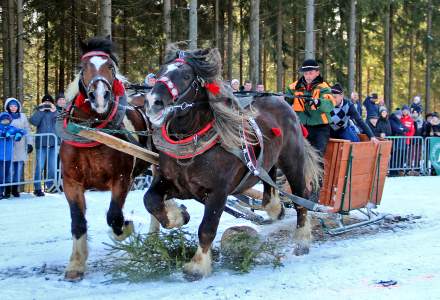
{"x":30,"y":148}
{"x":18,"y":137}
{"x":315,"y":102}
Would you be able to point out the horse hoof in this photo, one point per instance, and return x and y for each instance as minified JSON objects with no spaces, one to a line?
{"x":301,"y":250}
{"x":127,"y":230}
{"x":282,"y":213}
{"x":73,"y":276}
{"x":192,"y":276}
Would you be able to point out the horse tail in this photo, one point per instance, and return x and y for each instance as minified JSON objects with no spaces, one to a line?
{"x":313,"y":169}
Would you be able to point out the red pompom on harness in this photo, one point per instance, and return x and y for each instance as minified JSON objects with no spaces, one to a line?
{"x":213,"y":88}
{"x":276,"y":131}
{"x":304,"y":130}
{"x":80,"y":102}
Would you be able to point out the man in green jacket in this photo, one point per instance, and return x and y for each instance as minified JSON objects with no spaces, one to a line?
{"x":313,"y":101}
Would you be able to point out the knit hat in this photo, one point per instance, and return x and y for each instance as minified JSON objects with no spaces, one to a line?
{"x":374,"y":95}
{"x":151,"y":75}
{"x":337,"y":89}
{"x":382,"y":108}
{"x":59,"y":96}
{"x":5,"y":116}
{"x":405,"y":107}
{"x":309,"y":65}
{"x":48,"y":98}
{"x":235,"y":81}
{"x":398,"y":112}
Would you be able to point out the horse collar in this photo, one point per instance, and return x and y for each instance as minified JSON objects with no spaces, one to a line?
{"x":189,"y":147}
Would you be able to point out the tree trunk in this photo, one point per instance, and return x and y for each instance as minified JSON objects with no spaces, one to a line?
{"x":167,"y":21}
{"x":241,"y":45}
{"x":294,"y":44}
{"x":352,"y":47}
{"x":221,"y":47}
{"x":217,"y":25}
{"x":387,"y":56}
{"x":38,"y":74}
{"x":411,"y":66}
{"x":73,"y":41}
{"x":230,"y":38}
{"x":46,"y":53}
{"x":279,"y":53}
{"x":5,"y":46}
{"x":20,"y":50}
{"x":193,"y":24}
{"x":12,"y":49}
{"x":310,"y":35}
{"x":125,"y":42}
{"x":429,"y":40}
{"x":105,"y":18}
{"x":62,"y":56}
{"x":254,"y":36}
{"x":359,"y":59}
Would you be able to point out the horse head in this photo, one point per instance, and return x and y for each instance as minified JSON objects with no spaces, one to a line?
{"x":186,"y":80}
{"x":98,"y":75}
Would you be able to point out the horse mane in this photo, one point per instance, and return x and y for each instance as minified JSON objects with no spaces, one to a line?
{"x":95,"y":44}
{"x":229,"y":118}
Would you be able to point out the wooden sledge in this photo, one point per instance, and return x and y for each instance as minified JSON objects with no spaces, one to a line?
{"x":354,"y":178}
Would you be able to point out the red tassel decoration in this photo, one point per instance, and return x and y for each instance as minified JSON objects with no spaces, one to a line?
{"x":276,"y":131}
{"x":304,"y":130}
{"x":118,"y":88}
{"x":213,"y":88}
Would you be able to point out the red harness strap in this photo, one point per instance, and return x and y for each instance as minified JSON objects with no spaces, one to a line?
{"x":118,"y":90}
{"x":190,"y":139}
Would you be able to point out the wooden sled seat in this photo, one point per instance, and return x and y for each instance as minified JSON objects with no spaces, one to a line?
{"x":354,"y":174}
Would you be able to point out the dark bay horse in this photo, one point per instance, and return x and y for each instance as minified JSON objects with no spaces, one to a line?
{"x":98,"y":100}
{"x":189,"y":103}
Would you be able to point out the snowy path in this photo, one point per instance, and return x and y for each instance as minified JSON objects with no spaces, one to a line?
{"x":35,"y":233}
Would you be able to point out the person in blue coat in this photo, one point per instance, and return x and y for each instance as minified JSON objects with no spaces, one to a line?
{"x":8,"y":135}
{"x":44,"y":118}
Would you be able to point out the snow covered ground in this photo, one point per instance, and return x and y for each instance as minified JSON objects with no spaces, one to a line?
{"x":35,"y":246}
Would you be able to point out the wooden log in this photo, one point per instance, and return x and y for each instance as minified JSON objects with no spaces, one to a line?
{"x":121,"y":145}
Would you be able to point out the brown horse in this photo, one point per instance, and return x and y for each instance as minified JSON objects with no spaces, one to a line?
{"x":99,"y":100}
{"x":187,"y":106}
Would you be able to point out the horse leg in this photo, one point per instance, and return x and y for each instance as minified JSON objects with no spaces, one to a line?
{"x":115,"y":218}
{"x":271,"y":200}
{"x":201,"y":263}
{"x":167,"y":212}
{"x":77,"y":264}
{"x":293,"y":170}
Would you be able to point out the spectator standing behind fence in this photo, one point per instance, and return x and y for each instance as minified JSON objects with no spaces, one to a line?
{"x":22,"y":147}
{"x":420,"y":125}
{"x":44,"y":118}
{"x":416,"y":104}
{"x":380,"y":126}
{"x":433,"y":126}
{"x":397,"y":129}
{"x":372,"y":104}
{"x":8,"y":135}
{"x":357,"y":104}
{"x":408,"y":122}
{"x":235,"y":85}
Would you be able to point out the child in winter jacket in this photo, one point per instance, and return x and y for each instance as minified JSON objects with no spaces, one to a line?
{"x":8,"y":134}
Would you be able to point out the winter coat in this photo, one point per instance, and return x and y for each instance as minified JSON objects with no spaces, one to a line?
{"x":45,"y":123}
{"x":8,"y":134}
{"x":20,"y":147}
{"x":382,"y":126}
{"x":358,"y":106}
{"x":432,"y":130}
{"x":371,"y":107}
{"x":416,"y":107}
{"x":420,"y":127}
{"x":312,"y":114}
{"x":397,"y":128}
{"x":340,"y":116}
{"x":408,"y":122}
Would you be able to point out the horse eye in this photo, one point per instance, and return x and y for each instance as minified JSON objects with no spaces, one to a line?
{"x":186,"y":77}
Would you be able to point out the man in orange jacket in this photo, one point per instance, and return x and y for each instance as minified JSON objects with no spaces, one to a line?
{"x":313,"y":101}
